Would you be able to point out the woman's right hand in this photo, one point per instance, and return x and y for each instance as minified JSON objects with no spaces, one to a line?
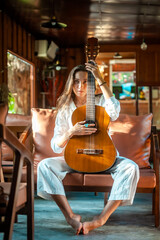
{"x":80,"y":128}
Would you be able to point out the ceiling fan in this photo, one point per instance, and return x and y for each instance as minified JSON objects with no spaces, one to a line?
{"x":53,"y":23}
{"x":57,"y":66}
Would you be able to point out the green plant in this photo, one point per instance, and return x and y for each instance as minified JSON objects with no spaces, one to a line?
{"x":11,"y":104}
{"x":4,"y":93}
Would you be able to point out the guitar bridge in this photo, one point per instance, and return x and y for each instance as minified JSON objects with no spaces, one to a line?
{"x":90,"y":151}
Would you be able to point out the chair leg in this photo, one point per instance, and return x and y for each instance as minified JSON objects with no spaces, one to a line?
{"x":11,"y":208}
{"x":105,"y":198}
{"x":153,"y":203}
{"x":156,"y":204}
{"x":30,"y":203}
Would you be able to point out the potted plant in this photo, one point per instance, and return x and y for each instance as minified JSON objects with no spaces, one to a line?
{"x":4,"y":100}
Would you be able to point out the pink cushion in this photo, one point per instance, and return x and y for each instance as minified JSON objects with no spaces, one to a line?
{"x":43,"y":122}
{"x":130,"y":136}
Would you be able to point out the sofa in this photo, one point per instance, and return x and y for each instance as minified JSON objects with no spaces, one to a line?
{"x":133,"y":136}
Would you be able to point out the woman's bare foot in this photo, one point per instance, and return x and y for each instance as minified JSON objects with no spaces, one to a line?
{"x":88,"y":226}
{"x":75,"y":222}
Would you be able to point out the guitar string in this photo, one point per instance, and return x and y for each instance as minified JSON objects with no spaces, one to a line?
{"x":91,"y":105}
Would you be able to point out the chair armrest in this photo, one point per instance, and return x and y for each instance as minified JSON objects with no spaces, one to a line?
{"x":26,"y":138}
{"x":9,"y":138}
{"x":25,"y":134}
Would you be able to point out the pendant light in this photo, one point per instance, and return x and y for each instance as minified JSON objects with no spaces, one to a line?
{"x":53,"y":23}
{"x":143,"y":45}
{"x":117,"y":55}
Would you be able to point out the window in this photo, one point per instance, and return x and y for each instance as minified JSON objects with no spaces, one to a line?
{"x":123,"y":85}
{"x":20,"y":79}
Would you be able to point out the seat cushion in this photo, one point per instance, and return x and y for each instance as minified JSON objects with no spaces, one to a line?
{"x":73,"y":179}
{"x":147,"y":179}
{"x":98,"y":180}
{"x":7,"y":167}
{"x":130,"y":135}
{"x":22,"y":193}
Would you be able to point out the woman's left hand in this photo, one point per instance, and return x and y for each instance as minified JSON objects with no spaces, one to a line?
{"x":94,"y":69}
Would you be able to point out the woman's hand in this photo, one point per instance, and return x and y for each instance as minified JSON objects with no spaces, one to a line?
{"x":81,"y":128}
{"x":93,"y":68}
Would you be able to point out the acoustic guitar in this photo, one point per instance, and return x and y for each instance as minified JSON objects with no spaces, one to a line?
{"x":96,"y":152}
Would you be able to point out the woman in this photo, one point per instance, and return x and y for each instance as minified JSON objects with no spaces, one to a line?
{"x":51,"y":171}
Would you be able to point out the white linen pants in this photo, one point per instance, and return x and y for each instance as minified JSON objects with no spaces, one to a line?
{"x":51,"y":172}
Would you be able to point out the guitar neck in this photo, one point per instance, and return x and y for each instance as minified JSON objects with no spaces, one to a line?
{"x":90,"y":107}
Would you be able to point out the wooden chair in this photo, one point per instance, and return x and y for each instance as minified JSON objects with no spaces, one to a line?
{"x":20,"y":195}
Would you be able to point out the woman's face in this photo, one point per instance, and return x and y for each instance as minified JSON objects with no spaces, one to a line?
{"x":80,"y":84}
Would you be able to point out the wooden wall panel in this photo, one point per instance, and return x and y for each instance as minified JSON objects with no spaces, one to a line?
{"x":157,"y":69}
{"x":15,"y":33}
{"x":80,"y":56}
{"x":24,"y":43}
{"x":32,"y":49}
{"x":4,"y":34}
{"x":19,"y":36}
{"x":146,"y":66}
{"x":72,"y":57}
{"x":9,"y":33}
{"x":29,"y":44}
{"x":1,"y":52}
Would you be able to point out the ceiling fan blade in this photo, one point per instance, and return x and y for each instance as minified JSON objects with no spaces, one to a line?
{"x":57,"y":67}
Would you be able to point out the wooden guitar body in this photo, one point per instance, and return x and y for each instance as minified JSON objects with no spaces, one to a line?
{"x":94,"y":153}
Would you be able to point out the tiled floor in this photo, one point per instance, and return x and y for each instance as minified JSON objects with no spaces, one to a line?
{"x":127,"y":223}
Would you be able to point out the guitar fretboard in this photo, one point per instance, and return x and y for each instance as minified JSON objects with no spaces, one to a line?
{"x":90,"y":107}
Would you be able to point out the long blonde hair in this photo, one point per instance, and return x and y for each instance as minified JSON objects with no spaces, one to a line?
{"x":68,"y":94}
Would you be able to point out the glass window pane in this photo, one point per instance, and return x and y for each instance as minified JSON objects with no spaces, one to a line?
{"x":20,"y":74}
{"x":123,"y":85}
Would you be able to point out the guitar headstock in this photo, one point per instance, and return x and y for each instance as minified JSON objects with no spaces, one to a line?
{"x":92,"y":48}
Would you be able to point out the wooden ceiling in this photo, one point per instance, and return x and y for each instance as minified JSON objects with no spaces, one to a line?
{"x":111,"y":21}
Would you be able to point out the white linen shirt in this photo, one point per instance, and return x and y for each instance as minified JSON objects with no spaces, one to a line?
{"x":64,"y":122}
